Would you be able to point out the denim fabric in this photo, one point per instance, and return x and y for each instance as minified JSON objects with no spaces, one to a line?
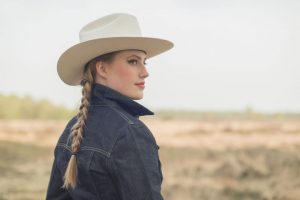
{"x":118,"y":157}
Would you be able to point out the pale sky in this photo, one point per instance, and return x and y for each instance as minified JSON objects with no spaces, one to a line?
{"x":228,"y":55}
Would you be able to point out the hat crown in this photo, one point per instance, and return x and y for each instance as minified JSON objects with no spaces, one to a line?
{"x":115,"y":25}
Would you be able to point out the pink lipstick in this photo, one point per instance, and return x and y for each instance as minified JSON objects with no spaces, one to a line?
{"x":141,"y":84}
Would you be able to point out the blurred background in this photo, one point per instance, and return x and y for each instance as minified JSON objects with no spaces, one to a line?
{"x":226,"y":97}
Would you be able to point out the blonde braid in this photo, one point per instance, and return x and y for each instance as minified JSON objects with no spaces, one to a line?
{"x":70,"y":177}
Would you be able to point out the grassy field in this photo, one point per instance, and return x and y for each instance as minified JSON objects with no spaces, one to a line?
{"x":202,"y":159}
{"x":24,"y":170}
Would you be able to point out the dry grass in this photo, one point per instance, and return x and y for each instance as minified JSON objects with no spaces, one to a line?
{"x":201,"y":159}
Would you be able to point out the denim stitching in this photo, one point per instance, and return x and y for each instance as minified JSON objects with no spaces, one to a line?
{"x":119,"y":112}
{"x":65,"y":146}
{"x":99,"y":105}
{"x":150,"y":192}
{"x":107,"y":154}
{"x":122,"y":115}
{"x":92,"y":177}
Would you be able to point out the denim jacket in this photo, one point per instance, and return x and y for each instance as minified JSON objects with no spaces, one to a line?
{"x":118,"y":156}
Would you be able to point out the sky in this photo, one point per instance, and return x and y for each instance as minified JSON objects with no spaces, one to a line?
{"x":228,"y":55}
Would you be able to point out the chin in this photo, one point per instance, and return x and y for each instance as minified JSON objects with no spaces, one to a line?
{"x":137,"y":97}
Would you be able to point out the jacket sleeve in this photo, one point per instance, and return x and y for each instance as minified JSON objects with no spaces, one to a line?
{"x":55,"y":190}
{"x":134,"y":165}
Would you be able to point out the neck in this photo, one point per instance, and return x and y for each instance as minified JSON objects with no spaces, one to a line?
{"x":101,"y":81}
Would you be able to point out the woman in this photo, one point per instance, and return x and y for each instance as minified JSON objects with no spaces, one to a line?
{"x":105,"y":151}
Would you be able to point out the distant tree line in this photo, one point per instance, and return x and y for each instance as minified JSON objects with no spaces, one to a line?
{"x":16,"y":107}
{"x":239,"y":115}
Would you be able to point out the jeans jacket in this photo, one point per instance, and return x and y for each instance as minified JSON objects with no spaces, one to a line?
{"x":118,"y":156}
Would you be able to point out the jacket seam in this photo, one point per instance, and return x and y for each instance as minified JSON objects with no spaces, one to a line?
{"x":85,"y":148}
{"x":99,"y":105}
{"x":116,"y":110}
{"x":122,"y":115}
{"x":92,"y":177}
{"x":107,"y":154}
{"x":65,"y":146}
{"x":150,"y":192}
{"x":108,"y":166}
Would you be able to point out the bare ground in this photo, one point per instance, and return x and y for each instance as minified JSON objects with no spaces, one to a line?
{"x":201,"y":159}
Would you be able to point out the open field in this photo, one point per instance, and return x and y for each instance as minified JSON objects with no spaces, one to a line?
{"x":202,"y":159}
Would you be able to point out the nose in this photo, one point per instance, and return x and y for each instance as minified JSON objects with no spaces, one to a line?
{"x":144,"y":72}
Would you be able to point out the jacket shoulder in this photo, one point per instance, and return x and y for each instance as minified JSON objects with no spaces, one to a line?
{"x":104,"y":126}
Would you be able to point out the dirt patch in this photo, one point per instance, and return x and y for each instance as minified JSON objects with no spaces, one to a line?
{"x":201,"y":159}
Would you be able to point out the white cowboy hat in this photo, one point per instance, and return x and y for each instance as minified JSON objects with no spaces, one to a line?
{"x":108,"y":34}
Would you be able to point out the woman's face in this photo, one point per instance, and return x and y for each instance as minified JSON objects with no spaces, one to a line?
{"x":126,"y":73}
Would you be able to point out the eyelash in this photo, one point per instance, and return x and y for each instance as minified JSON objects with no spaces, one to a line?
{"x":134,"y":62}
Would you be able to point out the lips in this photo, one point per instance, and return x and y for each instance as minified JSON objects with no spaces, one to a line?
{"x":141,"y":84}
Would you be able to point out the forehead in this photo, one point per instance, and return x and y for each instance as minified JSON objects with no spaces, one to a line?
{"x":128,"y":53}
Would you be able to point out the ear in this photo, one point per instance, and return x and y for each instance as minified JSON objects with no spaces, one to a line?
{"x":101,"y":69}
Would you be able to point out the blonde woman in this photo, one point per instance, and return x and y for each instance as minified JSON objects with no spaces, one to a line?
{"x":105,"y":151}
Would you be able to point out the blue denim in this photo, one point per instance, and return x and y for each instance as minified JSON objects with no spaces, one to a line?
{"x":118,"y":157}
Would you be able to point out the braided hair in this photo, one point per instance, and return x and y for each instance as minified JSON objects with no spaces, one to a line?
{"x":89,"y":77}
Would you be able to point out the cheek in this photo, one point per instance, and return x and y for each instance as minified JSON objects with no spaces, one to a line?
{"x":124,"y":76}
{"x":124,"y":73}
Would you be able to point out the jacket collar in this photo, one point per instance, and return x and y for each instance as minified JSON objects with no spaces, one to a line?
{"x":114,"y":97}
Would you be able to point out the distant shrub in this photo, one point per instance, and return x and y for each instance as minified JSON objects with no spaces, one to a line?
{"x":214,"y":115}
{"x":16,"y":107}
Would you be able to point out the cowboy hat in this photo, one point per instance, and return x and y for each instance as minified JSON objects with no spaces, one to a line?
{"x":111,"y":33}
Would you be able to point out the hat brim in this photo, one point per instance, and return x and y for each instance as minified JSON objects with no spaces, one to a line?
{"x":71,"y":63}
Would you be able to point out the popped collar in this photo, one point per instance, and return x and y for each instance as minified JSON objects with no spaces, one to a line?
{"x":102,"y":93}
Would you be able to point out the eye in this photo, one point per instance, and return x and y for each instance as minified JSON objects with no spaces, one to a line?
{"x":133,"y":61}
